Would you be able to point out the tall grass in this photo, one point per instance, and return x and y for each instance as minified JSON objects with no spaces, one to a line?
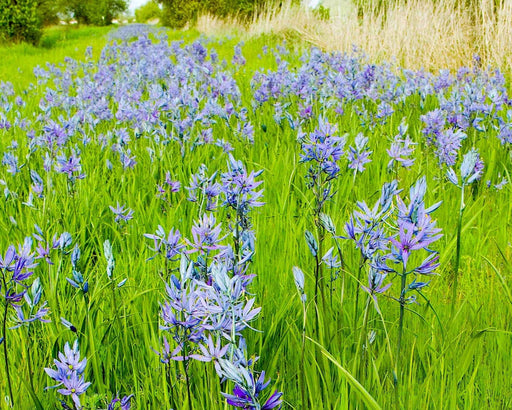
{"x":430,"y":34}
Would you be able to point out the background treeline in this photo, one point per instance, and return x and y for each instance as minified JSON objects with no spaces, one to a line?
{"x":177,"y":13}
{"x":23,"y":20}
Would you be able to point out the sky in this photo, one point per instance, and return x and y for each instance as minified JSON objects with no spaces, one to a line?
{"x":133,"y":4}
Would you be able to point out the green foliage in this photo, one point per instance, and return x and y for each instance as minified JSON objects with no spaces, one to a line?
{"x":111,"y":8}
{"x":322,"y":13}
{"x":242,"y":8}
{"x":177,"y":13}
{"x":97,"y":12}
{"x":19,"y":21}
{"x":47,"y":11}
{"x":148,"y":11}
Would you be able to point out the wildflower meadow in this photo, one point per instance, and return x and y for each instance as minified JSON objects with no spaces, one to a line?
{"x":204,"y":223}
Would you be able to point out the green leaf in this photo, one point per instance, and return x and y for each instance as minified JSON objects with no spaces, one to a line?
{"x":370,"y":402}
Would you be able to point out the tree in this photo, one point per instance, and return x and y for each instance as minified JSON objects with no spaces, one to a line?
{"x":47,"y":12}
{"x":148,"y":11}
{"x":177,"y":13}
{"x":111,"y":9}
{"x":19,"y":21}
{"x":97,"y":12}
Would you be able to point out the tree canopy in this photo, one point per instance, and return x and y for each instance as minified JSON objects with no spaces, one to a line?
{"x":98,"y":12}
{"x":147,"y":12}
{"x":177,"y":13}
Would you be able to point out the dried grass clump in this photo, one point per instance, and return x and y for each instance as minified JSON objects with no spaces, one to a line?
{"x":431,"y":34}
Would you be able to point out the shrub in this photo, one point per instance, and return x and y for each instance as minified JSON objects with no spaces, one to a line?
{"x":19,"y":21}
{"x":177,"y":13}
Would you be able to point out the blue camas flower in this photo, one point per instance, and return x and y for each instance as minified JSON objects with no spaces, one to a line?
{"x":324,"y":148}
{"x":69,"y":373}
{"x":169,"y":245}
{"x":121,"y":214}
{"x":118,"y":403}
{"x":246,"y":393}
{"x":359,"y":155}
{"x":206,"y":235}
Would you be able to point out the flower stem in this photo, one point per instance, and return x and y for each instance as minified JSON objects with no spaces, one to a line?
{"x":29,"y":359}
{"x":342,"y":269}
{"x":6,"y":357}
{"x":302,"y":351}
{"x":185,"y":366}
{"x":236,"y":238}
{"x":321,"y":237}
{"x":169,"y":383}
{"x":33,"y":394}
{"x":362,"y":262}
{"x":399,"y":341}
{"x":457,"y":252}
{"x":189,"y":396}
{"x":401,"y":320}
{"x":362,"y":336}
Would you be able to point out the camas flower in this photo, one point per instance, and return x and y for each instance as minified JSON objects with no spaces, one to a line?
{"x":170,"y":245}
{"x":206,"y":235}
{"x":401,"y":149}
{"x":410,"y":239}
{"x":375,"y":280}
{"x":471,"y":169}
{"x":239,"y":187}
{"x":74,"y":386}
{"x":70,"y":166}
{"x":120,"y":403}
{"x":69,"y":373}
{"x":247,"y":389}
{"x":359,"y":155}
{"x":324,"y":147}
{"x":211,"y":352}
{"x":121,"y":214}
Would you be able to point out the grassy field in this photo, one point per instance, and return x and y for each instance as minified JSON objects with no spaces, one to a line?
{"x":57,"y":42}
{"x":120,"y":116}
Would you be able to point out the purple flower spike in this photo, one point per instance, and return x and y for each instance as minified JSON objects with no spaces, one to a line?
{"x":121,"y":214}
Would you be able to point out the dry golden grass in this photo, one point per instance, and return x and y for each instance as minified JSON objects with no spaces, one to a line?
{"x":421,"y":33}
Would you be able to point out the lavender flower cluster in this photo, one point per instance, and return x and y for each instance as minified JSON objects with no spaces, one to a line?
{"x":473,"y":101}
{"x":207,"y":307}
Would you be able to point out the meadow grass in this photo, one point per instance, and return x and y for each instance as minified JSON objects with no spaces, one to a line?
{"x":18,"y":60}
{"x":459,"y":361}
